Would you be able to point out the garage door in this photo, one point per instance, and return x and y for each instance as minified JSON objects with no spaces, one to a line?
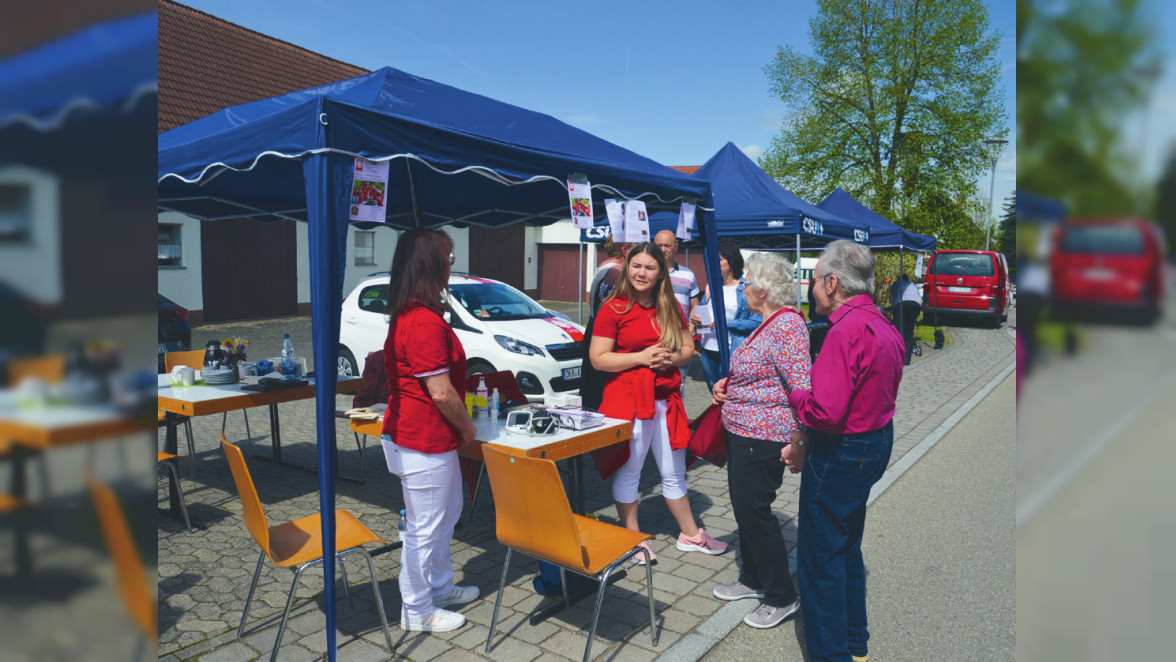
{"x":559,"y":268}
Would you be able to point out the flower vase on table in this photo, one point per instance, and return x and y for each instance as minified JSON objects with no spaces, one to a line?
{"x":234,"y":349}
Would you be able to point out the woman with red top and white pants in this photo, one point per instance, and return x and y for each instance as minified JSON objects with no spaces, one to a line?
{"x":641,"y":337}
{"x":760,"y":425}
{"x":425,"y":423}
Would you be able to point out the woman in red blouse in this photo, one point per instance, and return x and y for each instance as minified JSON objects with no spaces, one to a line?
{"x":641,"y":338}
{"x":425,"y":423}
{"x":760,"y":427}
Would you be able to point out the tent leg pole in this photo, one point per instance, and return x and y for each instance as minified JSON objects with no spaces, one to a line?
{"x":798,"y":276}
{"x":580,"y":291}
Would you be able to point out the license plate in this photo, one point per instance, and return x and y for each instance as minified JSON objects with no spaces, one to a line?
{"x":162,"y":348}
{"x":1099,"y":274}
{"x":959,"y":290}
{"x":571,"y":373}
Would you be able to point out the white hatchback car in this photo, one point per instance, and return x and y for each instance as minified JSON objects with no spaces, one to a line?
{"x":500,"y":328}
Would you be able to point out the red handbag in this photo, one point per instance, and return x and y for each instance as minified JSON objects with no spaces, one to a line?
{"x":708,"y":439}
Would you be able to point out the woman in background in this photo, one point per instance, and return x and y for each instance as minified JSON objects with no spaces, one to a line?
{"x":740,"y":319}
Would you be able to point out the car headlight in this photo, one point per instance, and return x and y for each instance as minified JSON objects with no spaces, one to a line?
{"x":518,"y":346}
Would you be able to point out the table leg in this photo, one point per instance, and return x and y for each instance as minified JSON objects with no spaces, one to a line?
{"x":577,"y":468}
{"x":22,"y":521}
{"x":171,"y":444}
{"x":275,"y":433}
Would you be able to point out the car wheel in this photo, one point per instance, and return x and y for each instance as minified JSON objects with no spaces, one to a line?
{"x":478,"y":367}
{"x":347,"y":365}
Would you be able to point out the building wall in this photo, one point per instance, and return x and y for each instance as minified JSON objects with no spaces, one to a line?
{"x":184,"y":284}
{"x":33,"y":265}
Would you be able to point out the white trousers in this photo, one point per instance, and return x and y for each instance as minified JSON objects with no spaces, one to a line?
{"x":651,"y":435}
{"x":431,"y":483}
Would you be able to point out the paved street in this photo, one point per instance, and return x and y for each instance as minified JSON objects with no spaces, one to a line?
{"x":1094,"y":514}
{"x":203,"y":576}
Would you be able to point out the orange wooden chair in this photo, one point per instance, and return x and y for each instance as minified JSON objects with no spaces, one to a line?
{"x":49,"y":368}
{"x":131,"y":577}
{"x":169,"y":461}
{"x":297,"y":543}
{"x":534,"y":518}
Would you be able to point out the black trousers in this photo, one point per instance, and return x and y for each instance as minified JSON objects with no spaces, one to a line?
{"x":754,"y":473}
{"x":905,"y":316}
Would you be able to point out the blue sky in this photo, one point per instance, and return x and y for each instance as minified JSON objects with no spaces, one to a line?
{"x":671,"y":81}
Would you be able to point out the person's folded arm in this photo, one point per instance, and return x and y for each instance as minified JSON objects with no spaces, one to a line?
{"x":451,"y":405}
{"x":604,"y":359}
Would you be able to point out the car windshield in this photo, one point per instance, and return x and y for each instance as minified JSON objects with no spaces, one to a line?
{"x":496,"y":301}
{"x":1103,"y":239}
{"x":963,"y":264}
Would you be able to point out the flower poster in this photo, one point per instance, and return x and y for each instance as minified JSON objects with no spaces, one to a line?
{"x":369,"y":185}
{"x":580,"y":197}
{"x":636,"y":222}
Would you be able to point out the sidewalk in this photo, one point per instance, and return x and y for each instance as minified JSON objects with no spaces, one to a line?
{"x":203,"y":576}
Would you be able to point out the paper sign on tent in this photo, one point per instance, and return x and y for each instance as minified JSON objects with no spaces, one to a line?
{"x":636,"y":222}
{"x":685,"y":221}
{"x":616,"y":218}
{"x":369,"y":184}
{"x":580,"y":198}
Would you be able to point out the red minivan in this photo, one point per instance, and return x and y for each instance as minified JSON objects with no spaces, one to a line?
{"x":1107,"y":267}
{"x":967,"y":283}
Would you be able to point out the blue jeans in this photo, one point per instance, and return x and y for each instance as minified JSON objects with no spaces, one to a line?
{"x":834,"y":486}
{"x":710,"y":367}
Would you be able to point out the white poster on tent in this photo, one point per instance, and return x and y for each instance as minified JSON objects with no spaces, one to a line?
{"x":580,"y":198}
{"x":685,"y":220}
{"x":636,"y":222}
{"x":616,"y":218}
{"x":369,"y":184}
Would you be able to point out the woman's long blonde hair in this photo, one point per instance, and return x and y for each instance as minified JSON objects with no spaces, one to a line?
{"x":669,"y":312}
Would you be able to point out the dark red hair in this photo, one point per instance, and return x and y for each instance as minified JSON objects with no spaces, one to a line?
{"x":420,"y":270}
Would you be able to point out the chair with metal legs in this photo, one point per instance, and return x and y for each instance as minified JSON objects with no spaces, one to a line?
{"x":298,"y":544}
{"x":534,"y":517}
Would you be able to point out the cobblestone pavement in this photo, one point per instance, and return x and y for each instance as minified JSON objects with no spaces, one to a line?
{"x":203,"y":576}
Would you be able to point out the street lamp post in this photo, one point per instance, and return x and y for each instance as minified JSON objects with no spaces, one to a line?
{"x":994,"y":146}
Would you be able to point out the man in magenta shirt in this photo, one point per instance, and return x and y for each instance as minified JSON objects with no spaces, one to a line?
{"x":848,"y":412}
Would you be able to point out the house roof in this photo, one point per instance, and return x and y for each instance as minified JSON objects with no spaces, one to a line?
{"x":689,"y":170}
{"x":207,"y":64}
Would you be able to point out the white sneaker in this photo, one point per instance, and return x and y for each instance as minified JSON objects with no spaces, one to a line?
{"x":460,"y":595}
{"x":438,"y":621}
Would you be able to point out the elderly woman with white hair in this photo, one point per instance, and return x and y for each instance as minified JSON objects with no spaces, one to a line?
{"x":770,"y":364}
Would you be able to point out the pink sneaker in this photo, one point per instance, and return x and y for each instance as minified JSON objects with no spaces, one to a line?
{"x":639,"y":558}
{"x":703,"y":543}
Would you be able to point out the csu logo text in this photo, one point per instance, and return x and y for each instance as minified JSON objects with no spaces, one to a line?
{"x":861,"y":236}
{"x":598,"y":232}
{"x":812,"y":227}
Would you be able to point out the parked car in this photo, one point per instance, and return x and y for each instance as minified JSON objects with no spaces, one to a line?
{"x":963,"y":283}
{"x":500,"y":328}
{"x":175,"y":335}
{"x":1108,"y":269}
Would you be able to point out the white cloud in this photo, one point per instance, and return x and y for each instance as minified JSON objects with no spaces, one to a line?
{"x":770,"y":121}
{"x":753,"y":152}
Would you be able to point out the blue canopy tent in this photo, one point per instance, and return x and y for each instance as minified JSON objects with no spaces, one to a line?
{"x":455,"y":158}
{"x":102,"y":70}
{"x":884,"y":234}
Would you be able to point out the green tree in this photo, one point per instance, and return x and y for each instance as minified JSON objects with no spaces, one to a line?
{"x":894,"y":102}
{"x":1082,"y":67}
{"x":951,"y":222}
{"x":1166,"y":202}
{"x":1008,"y":233}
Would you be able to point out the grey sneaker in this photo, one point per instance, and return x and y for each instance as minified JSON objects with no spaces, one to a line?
{"x":766,"y":616}
{"x":737,"y":591}
{"x":460,"y":595}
